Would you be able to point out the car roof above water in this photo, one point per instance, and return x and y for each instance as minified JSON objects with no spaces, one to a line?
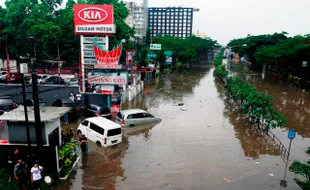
{"x":132,"y":111}
{"x":106,"y":123}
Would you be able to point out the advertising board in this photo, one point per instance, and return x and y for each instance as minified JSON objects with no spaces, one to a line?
{"x":108,"y":78}
{"x":93,"y":19}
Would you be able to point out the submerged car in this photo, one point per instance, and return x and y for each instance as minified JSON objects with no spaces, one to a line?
{"x":133,"y":117}
{"x":93,"y":110}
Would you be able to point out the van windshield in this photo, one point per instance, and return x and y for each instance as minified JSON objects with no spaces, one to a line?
{"x":114,"y":132}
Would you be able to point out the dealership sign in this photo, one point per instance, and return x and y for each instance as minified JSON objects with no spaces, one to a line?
{"x":107,"y":78}
{"x":93,"y":19}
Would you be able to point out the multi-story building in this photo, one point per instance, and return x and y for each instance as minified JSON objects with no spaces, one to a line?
{"x":172,"y":21}
{"x":137,"y":17}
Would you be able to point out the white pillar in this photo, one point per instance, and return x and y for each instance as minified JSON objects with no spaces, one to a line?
{"x":82,"y":64}
{"x":107,"y":43}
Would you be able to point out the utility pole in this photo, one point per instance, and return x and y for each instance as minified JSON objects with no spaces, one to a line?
{"x":26,"y":113}
{"x":36,"y":107}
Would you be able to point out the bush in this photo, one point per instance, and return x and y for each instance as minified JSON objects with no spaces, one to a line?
{"x":66,"y":156}
{"x":219,"y":58}
{"x":221,"y":71}
{"x":302,"y":169}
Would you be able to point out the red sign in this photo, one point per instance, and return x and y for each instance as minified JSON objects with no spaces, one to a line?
{"x":93,"y":19}
{"x":108,"y":59}
{"x":115,"y":108}
{"x":105,"y":91}
{"x":2,"y":123}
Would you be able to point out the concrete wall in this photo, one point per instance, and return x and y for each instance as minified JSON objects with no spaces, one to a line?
{"x":17,"y":133}
{"x":46,"y":92}
{"x":50,"y":127}
{"x":133,"y":91}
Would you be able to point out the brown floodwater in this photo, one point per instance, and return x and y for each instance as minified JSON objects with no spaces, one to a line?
{"x":204,"y":144}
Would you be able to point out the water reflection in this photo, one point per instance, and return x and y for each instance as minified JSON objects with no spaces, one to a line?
{"x":252,"y":141}
{"x":292,"y":102}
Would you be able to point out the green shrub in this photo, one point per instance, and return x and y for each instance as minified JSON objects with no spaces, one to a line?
{"x":221,"y":71}
{"x":302,"y":169}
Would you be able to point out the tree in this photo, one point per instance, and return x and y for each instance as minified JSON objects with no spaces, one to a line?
{"x":302,"y":169}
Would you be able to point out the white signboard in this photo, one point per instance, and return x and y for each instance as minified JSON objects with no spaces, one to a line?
{"x":89,"y":40}
{"x":155,"y":47}
{"x":304,"y":63}
{"x":107,"y":78}
{"x":90,"y":61}
{"x":89,"y":54}
{"x":96,"y":29}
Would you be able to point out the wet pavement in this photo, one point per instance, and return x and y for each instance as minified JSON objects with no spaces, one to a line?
{"x":205,"y":144}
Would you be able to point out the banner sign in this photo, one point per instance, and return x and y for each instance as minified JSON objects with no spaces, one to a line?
{"x":115,"y":108}
{"x":93,"y":19}
{"x":168,"y":55}
{"x":129,"y":56}
{"x":108,"y":59}
{"x":155,"y":47}
{"x":107,"y":78}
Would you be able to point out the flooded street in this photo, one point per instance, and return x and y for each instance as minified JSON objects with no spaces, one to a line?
{"x":204,"y":144}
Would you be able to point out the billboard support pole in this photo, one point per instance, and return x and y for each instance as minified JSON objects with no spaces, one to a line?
{"x":82,"y":63}
{"x":107,"y":43}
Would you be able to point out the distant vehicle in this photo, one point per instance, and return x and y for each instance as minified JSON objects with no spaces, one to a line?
{"x":42,"y":103}
{"x":53,"y":80}
{"x":74,"y":81}
{"x":6,"y":105}
{"x":135,"y":117}
{"x":14,"y":77}
{"x":28,"y":79}
{"x":41,"y":78}
{"x":3,"y":75}
{"x":67,"y":103}
{"x":101,"y":131}
{"x":93,"y":110}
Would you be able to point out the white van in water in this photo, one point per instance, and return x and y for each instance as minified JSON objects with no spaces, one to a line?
{"x":101,"y":131}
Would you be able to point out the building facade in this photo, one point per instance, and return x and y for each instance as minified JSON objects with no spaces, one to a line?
{"x":172,"y":21}
{"x":137,"y":17}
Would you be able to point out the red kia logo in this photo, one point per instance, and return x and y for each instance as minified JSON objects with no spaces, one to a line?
{"x":93,"y":14}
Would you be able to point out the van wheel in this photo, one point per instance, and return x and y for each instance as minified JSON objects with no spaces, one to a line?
{"x":79,"y":133}
{"x":132,"y":125}
{"x":98,"y":143}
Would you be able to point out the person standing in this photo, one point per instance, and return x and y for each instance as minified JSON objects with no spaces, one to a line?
{"x":71,"y":133}
{"x":20,"y":174}
{"x":71,"y":97}
{"x":78,"y":98}
{"x":36,"y":176}
{"x":66,"y":118}
{"x":55,"y":97}
{"x":12,"y":160}
{"x":83,"y":143}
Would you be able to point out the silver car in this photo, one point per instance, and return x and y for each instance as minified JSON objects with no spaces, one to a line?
{"x":133,"y":117}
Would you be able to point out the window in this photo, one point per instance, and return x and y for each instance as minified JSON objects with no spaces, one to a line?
{"x":96,"y":128}
{"x":114,"y":132}
{"x":85,"y":123}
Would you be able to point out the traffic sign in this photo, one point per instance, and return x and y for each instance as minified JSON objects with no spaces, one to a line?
{"x":291,"y":134}
{"x":155,"y":47}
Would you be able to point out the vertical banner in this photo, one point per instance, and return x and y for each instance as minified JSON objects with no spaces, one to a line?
{"x":168,"y":55}
{"x":8,"y":61}
{"x":58,"y":63}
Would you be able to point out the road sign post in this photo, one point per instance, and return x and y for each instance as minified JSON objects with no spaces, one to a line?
{"x":291,"y":135}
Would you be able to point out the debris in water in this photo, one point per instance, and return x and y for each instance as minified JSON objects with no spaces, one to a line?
{"x":209,"y":126}
{"x":271,"y":174}
{"x":183,"y":110}
{"x":181,"y":104}
{"x":256,"y":162}
{"x":229,"y":181}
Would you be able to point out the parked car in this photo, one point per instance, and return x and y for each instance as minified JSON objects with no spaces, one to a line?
{"x":41,"y":78}
{"x":3,"y":75}
{"x":67,"y":103}
{"x":42,"y":103}
{"x":93,"y":110}
{"x":74,"y":81}
{"x":100,"y":130}
{"x":53,"y":80}
{"x":6,"y":105}
{"x":135,"y":117}
{"x":14,"y":77}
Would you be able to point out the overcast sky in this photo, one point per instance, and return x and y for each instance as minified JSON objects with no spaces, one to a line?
{"x":224,"y":20}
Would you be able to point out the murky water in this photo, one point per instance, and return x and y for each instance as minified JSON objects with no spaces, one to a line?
{"x":204,"y":144}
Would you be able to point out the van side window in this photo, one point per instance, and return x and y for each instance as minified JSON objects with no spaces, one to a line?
{"x":146,"y":115}
{"x":129,"y":116}
{"x":96,"y":128}
{"x":85,"y":123}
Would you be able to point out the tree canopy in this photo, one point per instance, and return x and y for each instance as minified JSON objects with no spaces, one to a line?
{"x":50,"y":26}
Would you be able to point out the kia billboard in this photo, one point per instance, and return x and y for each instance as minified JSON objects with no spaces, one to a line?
{"x":93,"y":19}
